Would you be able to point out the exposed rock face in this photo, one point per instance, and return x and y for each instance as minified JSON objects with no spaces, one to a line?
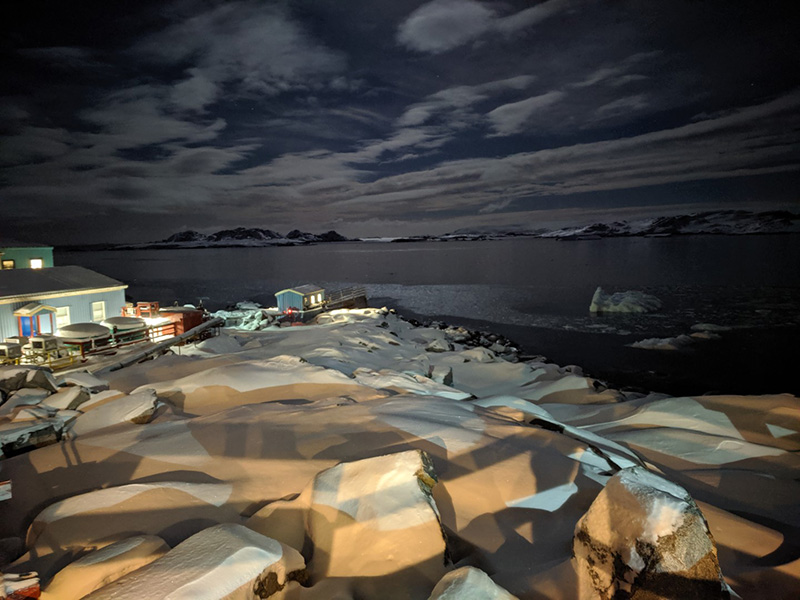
{"x":468,"y":583}
{"x":375,"y":521}
{"x":16,"y":378}
{"x":644,"y":538}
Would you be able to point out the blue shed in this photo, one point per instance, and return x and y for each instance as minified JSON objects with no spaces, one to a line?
{"x":35,"y":301}
{"x":301,"y":298}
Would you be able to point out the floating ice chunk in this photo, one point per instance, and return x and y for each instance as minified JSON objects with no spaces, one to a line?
{"x":468,"y":583}
{"x":623,"y":302}
{"x":710,"y":327}
{"x":669,"y":343}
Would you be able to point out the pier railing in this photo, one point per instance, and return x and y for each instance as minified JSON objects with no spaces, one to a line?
{"x":339,"y":297}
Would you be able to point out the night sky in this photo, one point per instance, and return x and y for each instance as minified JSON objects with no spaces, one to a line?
{"x":131,"y":121}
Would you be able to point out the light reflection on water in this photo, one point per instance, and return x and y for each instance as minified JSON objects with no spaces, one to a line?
{"x":748,"y":281}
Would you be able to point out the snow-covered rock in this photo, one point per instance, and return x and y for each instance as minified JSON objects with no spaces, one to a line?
{"x":68,"y":398}
{"x":137,"y":408}
{"x":85,"y":380}
{"x":26,"y":434}
{"x":644,"y":537}
{"x":15,"y":378}
{"x":623,"y":302}
{"x":101,"y":567}
{"x":439,"y":345}
{"x":468,"y":583}
{"x":408,"y":382}
{"x":227,"y":561}
{"x":171,"y":509}
{"x":23,"y":397}
{"x":442,"y":374}
{"x":375,"y":520}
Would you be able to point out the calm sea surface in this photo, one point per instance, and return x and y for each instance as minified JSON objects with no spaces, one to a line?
{"x":537,"y":292}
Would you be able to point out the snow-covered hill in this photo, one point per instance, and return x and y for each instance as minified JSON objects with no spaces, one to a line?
{"x":241,"y":236}
{"x":723,"y":222}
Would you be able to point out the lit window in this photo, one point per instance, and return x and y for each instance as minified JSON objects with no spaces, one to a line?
{"x":62,"y":316}
{"x":8,"y":263}
{"x":37,"y":263}
{"x":98,"y":311}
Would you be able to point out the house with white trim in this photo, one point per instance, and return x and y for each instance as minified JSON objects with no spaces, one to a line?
{"x":36,"y":301}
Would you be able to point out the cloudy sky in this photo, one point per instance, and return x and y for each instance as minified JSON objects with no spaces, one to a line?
{"x":131,"y":121}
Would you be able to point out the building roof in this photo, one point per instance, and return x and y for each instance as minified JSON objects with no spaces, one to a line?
{"x":31,"y":284}
{"x":303,"y":290}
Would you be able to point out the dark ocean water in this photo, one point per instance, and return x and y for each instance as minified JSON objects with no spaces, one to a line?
{"x":537,"y":292}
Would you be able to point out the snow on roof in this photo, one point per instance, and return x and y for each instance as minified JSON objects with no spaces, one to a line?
{"x":30,"y":282}
{"x":308,"y":288}
{"x":31,"y":309}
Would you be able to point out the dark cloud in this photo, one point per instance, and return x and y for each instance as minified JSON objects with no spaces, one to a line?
{"x":404,"y":116}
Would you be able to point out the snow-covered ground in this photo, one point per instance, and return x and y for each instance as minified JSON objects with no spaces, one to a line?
{"x":365,"y":457}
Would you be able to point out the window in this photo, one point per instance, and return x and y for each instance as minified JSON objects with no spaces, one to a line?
{"x":8,"y":263}
{"x":37,"y":263}
{"x":98,"y":311}
{"x":62,"y":316}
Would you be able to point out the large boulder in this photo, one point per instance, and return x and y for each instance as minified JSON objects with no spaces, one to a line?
{"x":16,"y":378}
{"x":375,"y":521}
{"x":644,"y":538}
{"x":226,"y":561}
{"x":172,"y":510}
{"x":468,"y":583}
{"x":137,"y":408}
{"x":101,"y":567}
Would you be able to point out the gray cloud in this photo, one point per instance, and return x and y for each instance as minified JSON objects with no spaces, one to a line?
{"x":443,"y":25}
{"x":511,"y":118}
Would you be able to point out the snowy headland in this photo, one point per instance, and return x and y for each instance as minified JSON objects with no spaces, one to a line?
{"x":364,"y":457}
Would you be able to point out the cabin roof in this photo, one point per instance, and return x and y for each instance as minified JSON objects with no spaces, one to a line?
{"x":303,"y":290}
{"x":52,"y":280}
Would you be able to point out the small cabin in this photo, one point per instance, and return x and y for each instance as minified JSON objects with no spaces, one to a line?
{"x":25,"y":255}
{"x":301,"y":298}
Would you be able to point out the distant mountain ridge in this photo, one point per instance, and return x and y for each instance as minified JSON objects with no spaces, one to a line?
{"x":240,"y":236}
{"x":720,"y":222}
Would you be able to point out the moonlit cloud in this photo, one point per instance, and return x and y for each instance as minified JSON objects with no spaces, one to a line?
{"x":425,"y":116}
{"x":443,"y":25}
{"x":511,"y":118}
